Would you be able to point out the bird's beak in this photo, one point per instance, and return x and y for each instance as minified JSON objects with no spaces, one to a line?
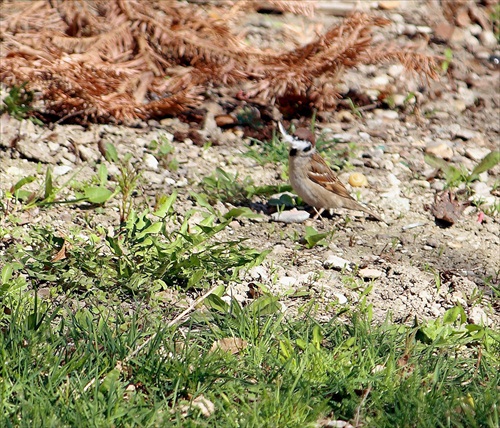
{"x":286,"y":137}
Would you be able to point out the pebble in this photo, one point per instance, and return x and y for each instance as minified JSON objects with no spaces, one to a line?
{"x":337,"y":263}
{"x":475,"y":29}
{"x":151,"y":177}
{"x":476,"y":153}
{"x":87,"y":154}
{"x":60,"y":170}
{"x":400,"y":99}
{"x":421,"y":183}
{"x":386,"y":114}
{"x":479,"y":317}
{"x":381,"y":81}
{"x":481,"y":189}
{"x":150,"y":162}
{"x":370,"y":273}
{"x":488,"y":39}
{"x":287,"y":281}
{"x":393,"y":180}
{"x":438,"y":185}
{"x":468,"y":96}
{"x":38,"y":152}
{"x":440,"y":149}
{"x":464,"y":133}
{"x":396,"y":70}
{"x":291,"y":216}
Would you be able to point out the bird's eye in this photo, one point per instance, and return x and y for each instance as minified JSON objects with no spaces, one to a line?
{"x":309,"y":147}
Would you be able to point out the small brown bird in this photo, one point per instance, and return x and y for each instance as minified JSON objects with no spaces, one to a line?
{"x":312,"y":179}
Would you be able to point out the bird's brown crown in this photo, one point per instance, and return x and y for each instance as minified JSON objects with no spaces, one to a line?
{"x":305,"y":134}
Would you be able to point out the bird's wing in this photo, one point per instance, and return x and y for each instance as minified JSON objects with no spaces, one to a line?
{"x":320,"y":173}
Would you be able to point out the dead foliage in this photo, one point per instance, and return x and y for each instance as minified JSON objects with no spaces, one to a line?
{"x":122,"y":60}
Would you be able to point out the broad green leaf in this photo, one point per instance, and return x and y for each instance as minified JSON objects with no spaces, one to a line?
{"x":265,"y":305}
{"x":166,"y":205}
{"x":241,"y":212}
{"x":451,"y":315}
{"x":111,"y":153}
{"x":152,"y":229}
{"x":97,"y":194}
{"x":7,"y":273}
{"x":102,"y":173}
{"x":488,"y":162}
{"x":215,"y":302}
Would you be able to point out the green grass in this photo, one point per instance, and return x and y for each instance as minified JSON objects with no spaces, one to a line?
{"x":105,"y":348}
{"x":291,"y":373}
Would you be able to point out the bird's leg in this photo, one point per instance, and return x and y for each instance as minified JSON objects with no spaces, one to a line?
{"x":318,"y":213}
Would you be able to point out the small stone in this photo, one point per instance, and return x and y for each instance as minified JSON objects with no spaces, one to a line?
{"x":386,"y":114}
{"x":395,"y":70}
{"x":370,"y":273}
{"x":150,"y":162}
{"x":423,"y":29}
{"x":459,"y":106}
{"x":488,"y":39}
{"x":337,"y":263}
{"x":400,"y":99}
{"x":291,"y":216}
{"x":60,"y":170}
{"x":87,"y":154}
{"x":388,"y":4}
{"x":380,"y":81}
{"x":342,"y":300}
{"x":393,"y":180}
{"x":443,"y":31}
{"x":440,"y":149}
{"x":345,"y":116}
{"x":467,"y":96}
{"x":365,"y":136}
{"x":481,"y":189}
{"x":475,"y":29}
{"x":287,"y":281}
{"x":422,"y":183}
{"x":464,"y":133}
{"x":479,"y":317}
{"x":235,"y":224}
{"x":151,"y":177}
{"x":476,"y":153}
{"x":438,"y":185}
{"x":387,"y":165}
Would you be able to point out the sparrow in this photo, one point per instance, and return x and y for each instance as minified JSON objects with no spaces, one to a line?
{"x":312,"y":179}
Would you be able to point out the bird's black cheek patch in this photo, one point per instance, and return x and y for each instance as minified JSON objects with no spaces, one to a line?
{"x":308,"y":148}
{"x":293,"y":152}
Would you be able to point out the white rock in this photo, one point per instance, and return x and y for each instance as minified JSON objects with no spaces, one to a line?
{"x":380,"y":81}
{"x":440,"y":148}
{"x":287,"y":281}
{"x":60,"y":170}
{"x":150,"y":162}
{"x":465,"y":133}
{"x":488,"y":39}
{"x":370,"y":273}
{"x":386,"y":114}
{"x":476,"y":153}
{"x":396,"y":70}
{"x":479,"y":317}
{"x":423,"y":29}
{"x":337,"y":263}
{"x":365,"y":136}
{"x":393,"y":180}
{"x":291,"y":216}
{"x":475,"y":29}
{"x":481,"y":189}
{"x":340,"y":298}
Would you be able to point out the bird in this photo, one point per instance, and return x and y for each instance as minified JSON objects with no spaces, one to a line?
{"x":312,"y":179}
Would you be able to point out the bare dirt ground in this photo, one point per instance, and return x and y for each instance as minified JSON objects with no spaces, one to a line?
{"x":411,"y":266}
